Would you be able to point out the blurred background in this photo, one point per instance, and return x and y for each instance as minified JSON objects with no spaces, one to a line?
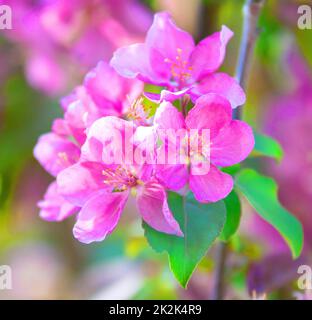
{"x":52,"y":45}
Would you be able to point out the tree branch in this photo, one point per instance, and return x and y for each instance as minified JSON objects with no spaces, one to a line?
{"x":220,"y":258}
{"x":252,"y":10}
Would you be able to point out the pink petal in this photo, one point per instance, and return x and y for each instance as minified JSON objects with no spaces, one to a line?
{"x":172,"y":171}
{"x":107,"y":140}
{"x":209,"y":54}
{"x":60,"y":127}
{"x":144,"y":172}
{"x":79,"y":93}
{"x":99,"y":216}
{"x":67,"y":100}
{"x":222,"y":84}
{"x":168,"y":40}
{"x":55,"y":153}
{"x":232,"y":145}
{"x":45,"y":73}
{"x":79,"y":182}
{"x":168,"y":117}
{"x":211,"y":187}
{"x":166,"y":95}
{"x":152,"y":205}
{"x":54,"y":207}
{"x":134,"y":62}
{"x":152,"y":61}
{"x":80,"y":116}
{"x":99,"y":83}
{"x":212,"y":112}
{"x":81,"y":112}
{"x":173,"y":177}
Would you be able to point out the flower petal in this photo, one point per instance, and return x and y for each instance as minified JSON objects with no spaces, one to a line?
{"x":232,"y":145}
{"x":171,"y":168}
{"x":99,"y":216}
{"x":61,"y":128}
{"x":166,"y":95}
{"x":134,"y":62}
{"x":152,"y":205}
{"x":169,"y":40}
{"x":212,"y":112}
{"x":173,"y":177}
{"x":222,"y":84}
{"x":45,"y":73}
{"x":78,"y":115}
{"x":79,"y":182}
{"x":152,"y":61}
{"x":209,"y":54}
{"x":99,"y":83}
{"x":211,"y":187}
{"x":168,"y":117}
{"x":107,"y":140}
{"x":55,"y":153}
{"x":54,"y":207}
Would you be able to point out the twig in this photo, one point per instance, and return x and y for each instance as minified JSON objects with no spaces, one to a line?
{"x":220,"y":258}
{"x":252,"y":9}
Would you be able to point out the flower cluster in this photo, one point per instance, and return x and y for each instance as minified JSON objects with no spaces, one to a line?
{"x":107,"y":146}
{"x":63,"y":39}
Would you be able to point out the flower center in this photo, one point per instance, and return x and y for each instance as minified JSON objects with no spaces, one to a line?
{"x":194,"y":146}
{"x":119,"y":178}
{"x":62,"y":159}
{"x":138,"y":111}
{"x":179,"y":68}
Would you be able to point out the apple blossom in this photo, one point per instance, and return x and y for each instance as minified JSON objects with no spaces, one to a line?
{"x":169,"y":58}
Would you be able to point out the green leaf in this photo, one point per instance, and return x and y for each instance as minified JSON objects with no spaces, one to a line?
{"x":232,"y":170}
{"x":201,"y":225}
{"x":233,"y":214}
{"x":261,"y":192}
{"x":267,"y":146}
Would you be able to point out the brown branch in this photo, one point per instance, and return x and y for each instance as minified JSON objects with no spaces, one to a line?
{"x":220,"y":258}
{"x":252,"y":10}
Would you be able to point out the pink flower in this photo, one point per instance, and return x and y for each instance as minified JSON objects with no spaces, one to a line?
{"x":65,"y":38}
{"x":96,"y":99}
{"x":44,"y":73}
{"x":170,"y":58}
{"x":111,"y":92}
{"x":229,"y":143}
{"x":101,"y":189}
{"x":54,"y":207}
{"x":60,"y":148}
{"x":55,"y":153}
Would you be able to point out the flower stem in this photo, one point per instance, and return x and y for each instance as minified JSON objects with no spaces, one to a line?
{"x":185,"y":100}
{"x":252,"y":10}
